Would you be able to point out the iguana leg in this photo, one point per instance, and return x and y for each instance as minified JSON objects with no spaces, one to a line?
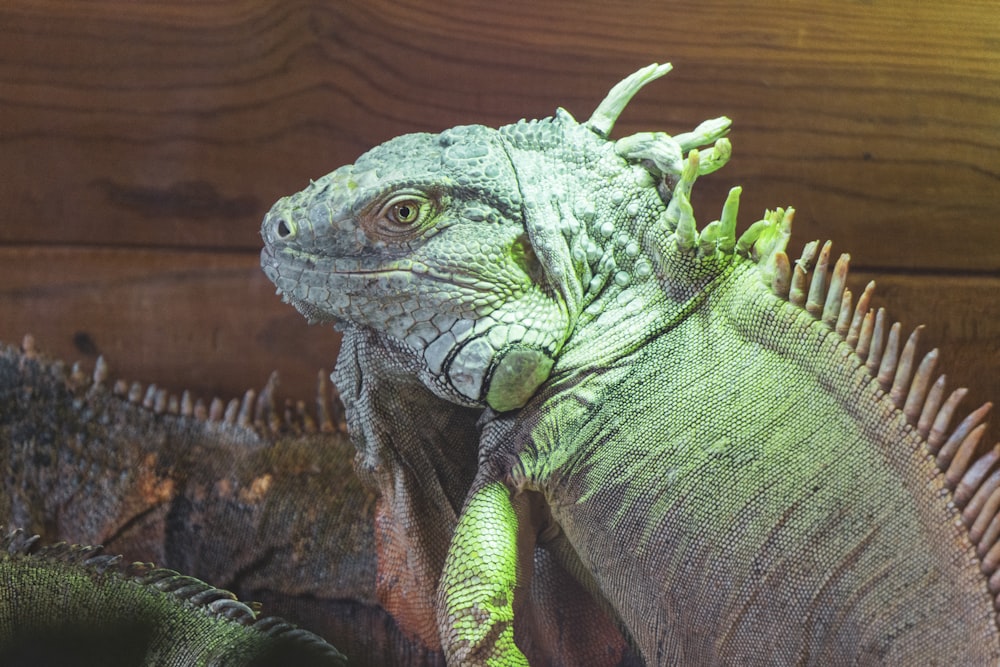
{"x":476,"y":593}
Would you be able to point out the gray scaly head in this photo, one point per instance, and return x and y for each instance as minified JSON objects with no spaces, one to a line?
{"x":480,"y":249}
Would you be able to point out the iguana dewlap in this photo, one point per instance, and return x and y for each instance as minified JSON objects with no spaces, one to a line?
{"x":577,"y":405}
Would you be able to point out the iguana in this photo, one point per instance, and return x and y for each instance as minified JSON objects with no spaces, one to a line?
{"x":85,"y":608}
{"x":251,"y":496}
{"x":583,"y":413}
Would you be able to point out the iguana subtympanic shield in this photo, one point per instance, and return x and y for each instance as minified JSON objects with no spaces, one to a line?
{"x":588,"y":418}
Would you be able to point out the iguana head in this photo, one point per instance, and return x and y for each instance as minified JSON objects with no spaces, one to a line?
{"x":479,"y":248}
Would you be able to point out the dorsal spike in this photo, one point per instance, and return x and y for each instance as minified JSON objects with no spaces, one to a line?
{"x":877,"y":342}
{"x":835,"y":294}
{"x":266,"y":415}
{"x":782,"y":280}
{"x":101,"y":371}
{"x":963,"y":458}
{"x":920,"y":388}
{"x":800,"y":274}
{"x":984,"y":506}
{"x":890,"y":358}
{"x":942,"y":419}
{"x":973,"y":478}
{"x":727,"y":223}
{"x":904,"y":369}
{"x":187,"y":404}
{"x":817,"y":287}
{"x":305,"y":417}
{"x":857,"y":322}
{"x":232,"y":412}
{"x":680,"y":205}
{"x":950,"y":448}
{"x":844,"y":317}
{"x":607,"y":112}
{"x":245,"y":415}
{"x":78,"y":379}
{"x":149,"y":400}
{"x":134,"y":394}
{"x":160,"y":401}
{"x":708,"y":132}
{"x":865,"y":335}
{"x":929,"y":411}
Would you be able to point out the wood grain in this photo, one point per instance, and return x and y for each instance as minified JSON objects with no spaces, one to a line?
{"x":178,"y":124}
{"x":141,"y":144}
{"x":207,"y":322}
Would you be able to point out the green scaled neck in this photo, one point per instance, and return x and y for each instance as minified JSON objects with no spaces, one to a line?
{"x":661,"y":265}
{"x":606,"y":217}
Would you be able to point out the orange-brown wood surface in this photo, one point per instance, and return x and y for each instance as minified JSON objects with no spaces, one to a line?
{"x":141,"y":143}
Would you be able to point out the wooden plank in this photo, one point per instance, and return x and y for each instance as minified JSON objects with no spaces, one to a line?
{"x":173,"y":123}
{"x":203,"y":321}
{"x":210,"y":322}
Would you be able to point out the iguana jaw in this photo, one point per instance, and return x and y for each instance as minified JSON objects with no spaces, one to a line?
{"x":473,"y":354}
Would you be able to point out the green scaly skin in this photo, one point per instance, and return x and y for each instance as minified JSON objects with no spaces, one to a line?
{"x":480,"y":576}
{"x":148,"y":616}
{"x":732,"y":463}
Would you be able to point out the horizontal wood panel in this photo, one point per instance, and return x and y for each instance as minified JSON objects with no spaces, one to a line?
{"x":207,"y":322}
{"x":178,"y":124}
{"x":210,"y":322}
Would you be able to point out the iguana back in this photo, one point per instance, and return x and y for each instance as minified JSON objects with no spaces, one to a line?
{"x":761,"y":499}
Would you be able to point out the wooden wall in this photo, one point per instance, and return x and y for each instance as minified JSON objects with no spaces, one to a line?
{"x":142,"y":142}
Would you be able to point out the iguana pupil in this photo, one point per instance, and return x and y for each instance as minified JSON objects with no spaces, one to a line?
{"x":404,"y":213}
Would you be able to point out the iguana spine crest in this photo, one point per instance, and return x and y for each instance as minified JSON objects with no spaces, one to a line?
{"x":257,"y":411}
{"x":821,"y":290}
{"x":909,"y":384}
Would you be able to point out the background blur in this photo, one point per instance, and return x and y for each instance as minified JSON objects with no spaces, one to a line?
{"x":142,"y":142}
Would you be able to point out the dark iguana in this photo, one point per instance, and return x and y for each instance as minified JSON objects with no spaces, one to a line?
{"x":574,"y":404}
{"x":249,"y":496}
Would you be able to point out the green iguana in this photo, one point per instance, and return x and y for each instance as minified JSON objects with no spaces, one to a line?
{"x":584,"y":415}
{"x":256,"y":498}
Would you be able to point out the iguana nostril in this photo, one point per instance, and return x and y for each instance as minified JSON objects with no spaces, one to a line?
{"x":283,"y":229}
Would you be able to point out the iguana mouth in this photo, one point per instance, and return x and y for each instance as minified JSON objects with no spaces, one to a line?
{"x":404,"y":270}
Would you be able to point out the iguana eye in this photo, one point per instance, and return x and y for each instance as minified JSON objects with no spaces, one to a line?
{"x":402,"y":216}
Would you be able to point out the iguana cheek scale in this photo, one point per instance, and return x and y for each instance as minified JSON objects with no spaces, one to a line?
{"x":734,"y":460}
